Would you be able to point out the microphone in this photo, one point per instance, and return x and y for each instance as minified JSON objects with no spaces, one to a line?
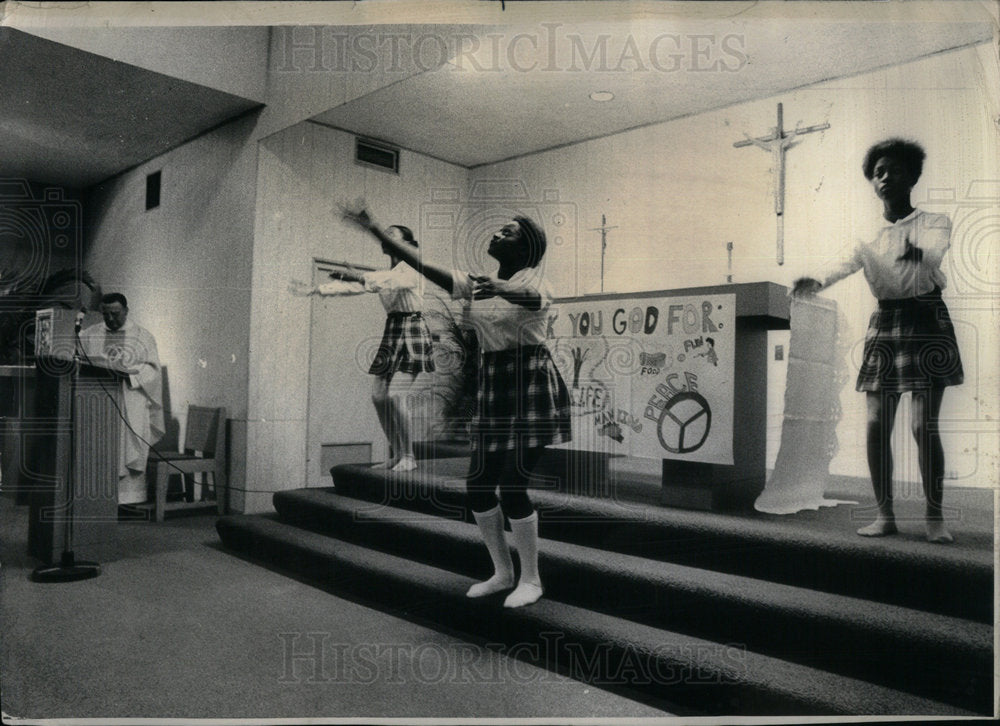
{"x":79,"y":321}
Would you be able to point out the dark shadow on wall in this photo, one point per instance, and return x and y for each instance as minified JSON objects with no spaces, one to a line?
{"x":41,"y":235}
{"x":171,"y":424}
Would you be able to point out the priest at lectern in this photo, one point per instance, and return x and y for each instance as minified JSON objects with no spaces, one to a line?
{"x":132,"y":350}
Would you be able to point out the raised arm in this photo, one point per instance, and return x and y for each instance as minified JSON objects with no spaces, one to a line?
{"x":850,"y":262}
{"x":438,"y":275}
{"x":334,"y":287}
{"x":515,"y":293}
{"x":348,"y":275}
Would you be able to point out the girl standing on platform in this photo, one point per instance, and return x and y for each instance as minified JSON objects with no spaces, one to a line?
{"x":405,"y":349}
{"x":910,"y":344}
{"x":522,"y":405}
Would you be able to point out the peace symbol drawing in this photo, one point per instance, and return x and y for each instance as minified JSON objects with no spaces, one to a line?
{"x":684,"y":423}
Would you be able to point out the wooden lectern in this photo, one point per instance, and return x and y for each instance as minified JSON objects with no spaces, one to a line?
{"x":95,"y":402}
{"x":17,"y":401}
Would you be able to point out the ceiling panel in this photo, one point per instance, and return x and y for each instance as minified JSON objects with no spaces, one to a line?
{"x":74,"y":118}
{"x":658,"y":71}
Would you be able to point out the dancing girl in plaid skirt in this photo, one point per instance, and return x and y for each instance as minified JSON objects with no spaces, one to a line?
{"x":910,"y":344}
{"x":405,"y":349}
{"x":523,"y":404}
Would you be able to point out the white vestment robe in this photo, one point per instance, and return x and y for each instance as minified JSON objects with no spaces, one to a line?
{"x":132,"y":348}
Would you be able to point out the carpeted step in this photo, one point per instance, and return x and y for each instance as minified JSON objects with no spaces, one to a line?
{"x":442,"y":449}
{"x":708,"y":677}
{"x":919,"y":575}
{"x":938,"y":656}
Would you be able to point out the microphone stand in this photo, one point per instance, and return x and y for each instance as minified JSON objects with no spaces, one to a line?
{"x":69,"y":568}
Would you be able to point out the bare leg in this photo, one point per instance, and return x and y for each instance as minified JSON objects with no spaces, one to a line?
{"x":881,"y":415}
{"x":924,"y":422}
{"x":481,"y":484}
{"x":380,"y":399}
{"x":400,"y":388}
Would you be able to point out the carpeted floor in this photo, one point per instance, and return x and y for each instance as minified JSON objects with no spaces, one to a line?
{"x":176,"y":627}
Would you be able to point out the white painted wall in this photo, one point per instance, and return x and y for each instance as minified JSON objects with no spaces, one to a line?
{"x":303,"y":173}
{"x":679,"y":191}
{"x":676,"y":191}
{"x":185,"y":267}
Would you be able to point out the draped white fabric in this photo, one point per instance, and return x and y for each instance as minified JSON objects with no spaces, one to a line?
{"x":817,"y":372}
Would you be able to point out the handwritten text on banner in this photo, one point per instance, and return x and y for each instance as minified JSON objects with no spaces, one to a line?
{"x":649,"y":376}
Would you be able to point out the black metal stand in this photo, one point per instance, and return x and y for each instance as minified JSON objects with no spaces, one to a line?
{"x":69,"y":569}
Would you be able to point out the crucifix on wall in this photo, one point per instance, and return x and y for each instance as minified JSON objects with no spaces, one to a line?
{"x":603,"y":229}
{"x":777,"y":143}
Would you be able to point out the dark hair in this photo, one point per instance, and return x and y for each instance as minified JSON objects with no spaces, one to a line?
{"x":407,"y":234}
{"x":535,"y":237}
{"x":910,"y":153}
{"x":114,"y":297}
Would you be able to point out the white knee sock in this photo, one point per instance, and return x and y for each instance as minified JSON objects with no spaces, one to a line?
{"x":529,"y":588}
{"x":491,"y":526}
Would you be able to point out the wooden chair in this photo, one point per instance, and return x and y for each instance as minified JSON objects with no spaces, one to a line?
{"x":204,"y":451}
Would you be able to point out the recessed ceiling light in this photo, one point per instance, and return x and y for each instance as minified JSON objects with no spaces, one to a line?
{"x":602,"y":96}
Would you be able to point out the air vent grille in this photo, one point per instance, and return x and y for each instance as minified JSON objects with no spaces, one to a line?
{"x":381,"y":156}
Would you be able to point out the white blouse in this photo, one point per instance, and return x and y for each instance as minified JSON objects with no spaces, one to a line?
{"x":888,"y":277}
{"x":398,"y":288}
{"x":499,"y":324}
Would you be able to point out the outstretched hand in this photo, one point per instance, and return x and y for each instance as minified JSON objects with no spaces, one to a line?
{"x":806,"y":286}
{"x":484,"y":287}
{"x":357,"y":213}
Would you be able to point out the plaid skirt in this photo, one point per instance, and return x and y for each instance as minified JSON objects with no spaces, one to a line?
{"x":910,"y":346}
{"x":405,"y":346}
{"x":522,"y":401}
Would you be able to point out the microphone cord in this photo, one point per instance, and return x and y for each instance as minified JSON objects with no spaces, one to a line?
{"x":124,"y":419}
{"x":121,"y":414}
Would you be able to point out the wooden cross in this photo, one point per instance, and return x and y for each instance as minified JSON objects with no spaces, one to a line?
{"x":603,"y":229}
{"x":778,"y":142}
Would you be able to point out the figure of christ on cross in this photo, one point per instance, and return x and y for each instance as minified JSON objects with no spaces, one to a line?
{"x":603,"y":229}
{"x":777,"y":143}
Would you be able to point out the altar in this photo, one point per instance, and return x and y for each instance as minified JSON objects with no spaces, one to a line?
{"x":677,"y":375}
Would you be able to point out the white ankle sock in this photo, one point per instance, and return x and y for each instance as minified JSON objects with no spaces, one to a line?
{"x":524,"y":594}
{"x":491,"y":527}
{"x":529,"y":588}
